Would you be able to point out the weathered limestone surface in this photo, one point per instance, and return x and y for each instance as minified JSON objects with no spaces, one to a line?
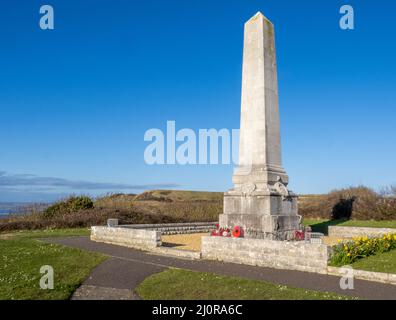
{"x":260,"y":199}
{"x":148,"y":236}
{"x":127,"y":237}
{"x":365,"y":275}
{"x":351,"y":232}
{"x":173,"y":252}
{"x":175,"y":228}
{"x":296,"y":255}
{"x":89,"y":292}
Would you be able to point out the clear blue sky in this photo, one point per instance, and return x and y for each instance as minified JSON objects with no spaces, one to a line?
{"x":76,"y":101}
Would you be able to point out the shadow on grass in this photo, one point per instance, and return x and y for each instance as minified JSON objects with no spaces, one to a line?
{"x":323,"y":227}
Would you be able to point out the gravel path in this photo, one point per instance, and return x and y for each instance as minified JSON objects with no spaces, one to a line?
{"x":191,"y":241}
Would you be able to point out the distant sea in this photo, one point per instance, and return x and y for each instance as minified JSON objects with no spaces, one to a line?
{"x":17,"y":208}
{"x":4,"y":212}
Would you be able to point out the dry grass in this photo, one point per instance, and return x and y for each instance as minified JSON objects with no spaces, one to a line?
{"x":150,"y":207}
{"x":167,"y":206}
{"x":358,"y":203}
{"x":179,"y":196}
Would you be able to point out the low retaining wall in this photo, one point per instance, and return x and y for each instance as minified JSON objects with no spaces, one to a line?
{"x":389,"y":278}
{"x":298,"y":255}
{"x":351,"y":232}
{"x":144,"y":236}
{"x":127,"y":237}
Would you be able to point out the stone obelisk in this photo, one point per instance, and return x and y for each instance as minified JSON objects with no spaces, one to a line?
{"x":260,"y":201}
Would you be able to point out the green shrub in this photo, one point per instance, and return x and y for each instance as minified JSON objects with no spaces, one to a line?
{"x":361,"y":247}
{"x":70,"y":205}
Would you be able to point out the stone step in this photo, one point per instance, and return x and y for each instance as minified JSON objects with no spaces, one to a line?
{"x":89,"y":292}
{"x":178,"y":253}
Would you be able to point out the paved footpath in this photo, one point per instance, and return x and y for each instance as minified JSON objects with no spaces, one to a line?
{"x":126,"y":268}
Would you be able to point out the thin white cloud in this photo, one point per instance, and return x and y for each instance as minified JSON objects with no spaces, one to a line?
{"x":33,"y":183}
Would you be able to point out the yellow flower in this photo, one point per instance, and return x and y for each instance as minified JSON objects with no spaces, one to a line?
{"x":348,"y":254}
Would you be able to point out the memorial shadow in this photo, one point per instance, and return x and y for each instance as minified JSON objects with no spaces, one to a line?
{"x":340,"y":213}
{"x":343,"y":209}
{"x":323,"y":227}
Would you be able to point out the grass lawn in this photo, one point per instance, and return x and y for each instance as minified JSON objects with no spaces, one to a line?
{"x":22,"y":255}
{"x":48,"y":233}
{"x":179,"y":284}
{"x":322,"y":225}
{"x":383,"y":262}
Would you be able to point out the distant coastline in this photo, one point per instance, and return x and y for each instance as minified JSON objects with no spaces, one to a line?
{"x":4,"y":213}
{"x":20,"y":208}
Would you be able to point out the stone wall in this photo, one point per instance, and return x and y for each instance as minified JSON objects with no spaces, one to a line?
{"x":175,"y":228}
{"x":297,"y":255}
{"x":127,"y":237}
{"x":351,"y":232}
{"x":364,"y":275}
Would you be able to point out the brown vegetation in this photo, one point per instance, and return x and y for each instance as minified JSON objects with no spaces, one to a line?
{"x":360,"y":203}
{"x":166,"y":206}
{"x":149,"y":207}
